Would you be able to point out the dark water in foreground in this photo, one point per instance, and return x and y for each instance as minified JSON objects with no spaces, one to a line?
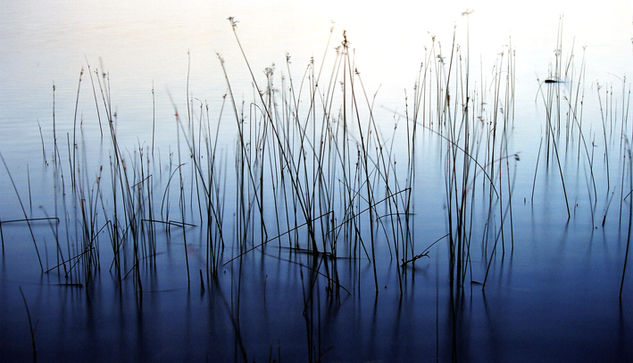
{"x":535,"y":308}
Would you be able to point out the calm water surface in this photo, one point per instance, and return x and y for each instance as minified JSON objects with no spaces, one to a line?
{"x":552,"y":288}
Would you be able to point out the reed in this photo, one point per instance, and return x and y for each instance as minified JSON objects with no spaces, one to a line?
{"x":630,"y":220}
{"x":26,"y":218}
{"x":31,"y":329}
{"x":314,"y":167}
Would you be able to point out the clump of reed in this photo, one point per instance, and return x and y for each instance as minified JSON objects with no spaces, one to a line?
{"x":315,"y":173}
{"x":309,"y":150}
{"x":320,"y":149}
{"x":472,"y":122}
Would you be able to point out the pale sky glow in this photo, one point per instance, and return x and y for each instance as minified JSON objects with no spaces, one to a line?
{"x":379,"y":29}
{"x":147,"y":41}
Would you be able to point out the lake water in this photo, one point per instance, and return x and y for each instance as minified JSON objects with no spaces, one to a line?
{"x":488,"y":149}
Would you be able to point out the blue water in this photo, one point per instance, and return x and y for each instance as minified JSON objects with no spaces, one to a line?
{"x":551,"y":292}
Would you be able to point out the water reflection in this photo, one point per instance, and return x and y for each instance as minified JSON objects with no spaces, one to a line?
{"x":139,"y":265}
